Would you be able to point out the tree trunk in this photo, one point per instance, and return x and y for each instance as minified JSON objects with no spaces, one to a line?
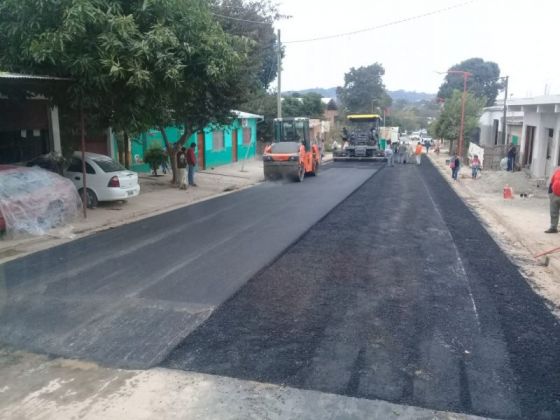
{"x":172,"y":155}
{"x":172,"y":149}
{"x":126,"y":150}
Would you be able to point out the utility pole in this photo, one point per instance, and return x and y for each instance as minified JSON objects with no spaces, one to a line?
{"x":504,"y":128}
{"x":279,"y":97}
{"x":463,"y":100}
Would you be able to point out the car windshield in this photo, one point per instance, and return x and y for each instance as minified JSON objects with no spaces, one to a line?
{"x":109,"y":165}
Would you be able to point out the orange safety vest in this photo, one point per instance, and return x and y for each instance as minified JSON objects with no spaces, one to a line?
{"x":555,"y":182}
{"x":418,"y":149}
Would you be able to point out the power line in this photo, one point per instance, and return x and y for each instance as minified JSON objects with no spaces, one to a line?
{"x":384,"y":25}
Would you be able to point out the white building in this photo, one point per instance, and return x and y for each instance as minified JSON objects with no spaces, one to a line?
{"x":491,"y":125}
{"x":539,"y":150}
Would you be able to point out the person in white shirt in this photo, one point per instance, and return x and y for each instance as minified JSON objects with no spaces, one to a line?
{"x":389,"y":155}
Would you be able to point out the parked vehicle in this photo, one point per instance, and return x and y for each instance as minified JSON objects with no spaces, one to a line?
{"x":34,"y":200}
{"x":106,"y":179}
{"x":361,"y":139}
{"x":292,"y":155}
{"x":427,"y":141}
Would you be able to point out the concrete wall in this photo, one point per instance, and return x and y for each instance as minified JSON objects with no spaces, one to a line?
{"x":212,"y":157}
{"x":486,"y":125}
{"x":540,"y":166}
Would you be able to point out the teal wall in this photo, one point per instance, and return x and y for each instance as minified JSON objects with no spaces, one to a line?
{"x":212,"y":157}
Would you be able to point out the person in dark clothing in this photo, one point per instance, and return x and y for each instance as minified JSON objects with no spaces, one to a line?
{"x":181,"y":166}
{"x":191,"y":162}
{"x":455,"y":165}
{"x":511,"y":157}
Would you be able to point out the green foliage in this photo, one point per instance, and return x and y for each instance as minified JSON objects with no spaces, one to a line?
{"x":448,"y":125}
{"x":263,"y":103}
{"x":154,"y":157}
{"x":412,"y":116}
{"x":484,"y":81}
{"x":253,"y":20}
{"x":307,"y":105}
{"x":363,"y":90}
{"x":135,"y":64}
{"x":332,"y":106}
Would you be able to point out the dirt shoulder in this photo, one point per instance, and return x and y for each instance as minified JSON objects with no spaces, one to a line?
{"x":516,"y":224}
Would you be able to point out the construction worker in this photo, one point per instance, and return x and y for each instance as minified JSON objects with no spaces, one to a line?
{"x":554,"y":195}
{"x":418,"y":152}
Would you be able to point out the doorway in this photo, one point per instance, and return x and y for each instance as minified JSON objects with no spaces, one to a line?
{"x":529,"y":140}
{"x":549,"y":163}
{"x":234,"y":146}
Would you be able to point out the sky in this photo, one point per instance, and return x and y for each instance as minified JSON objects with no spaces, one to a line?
{"x":520,"y":36}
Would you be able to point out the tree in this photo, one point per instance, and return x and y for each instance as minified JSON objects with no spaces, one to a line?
{"x":448,"y":125}
{"x":134,"y":64}
{"x":332,"y":106}
{"x":363,"y":90}
{"x":307,"y":105}
{"x":484,"y":81}
{"x":253,"y":20}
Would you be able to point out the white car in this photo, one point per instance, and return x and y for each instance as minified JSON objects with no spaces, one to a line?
{"x":106,"y":180}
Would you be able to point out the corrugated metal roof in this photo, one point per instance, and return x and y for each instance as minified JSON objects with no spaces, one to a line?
{"x":19,"y":76}
{"x":241,"y":114}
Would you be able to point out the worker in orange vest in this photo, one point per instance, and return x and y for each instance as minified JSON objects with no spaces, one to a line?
{"x":554,"y":195}
{"x":418,"y":152}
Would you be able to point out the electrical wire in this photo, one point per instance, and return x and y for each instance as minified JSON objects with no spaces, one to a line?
{"x":384,"y":25}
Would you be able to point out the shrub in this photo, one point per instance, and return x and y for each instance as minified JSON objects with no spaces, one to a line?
{"x":154,"y":157}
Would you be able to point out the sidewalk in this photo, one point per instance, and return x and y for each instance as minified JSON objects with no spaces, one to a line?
{"x":157,"y":196}
{"x":518,"y":224}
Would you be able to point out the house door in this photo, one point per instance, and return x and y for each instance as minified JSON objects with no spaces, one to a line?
{"x":200,"y":147}
{"x":234,"y":146}
{"x":529,"y":139}
{"x":549,"y":163}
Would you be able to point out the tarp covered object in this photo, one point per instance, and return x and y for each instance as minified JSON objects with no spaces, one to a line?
{"x":34,"y":200}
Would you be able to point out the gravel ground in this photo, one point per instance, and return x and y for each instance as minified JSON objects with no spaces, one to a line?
{"x":398,"y":294}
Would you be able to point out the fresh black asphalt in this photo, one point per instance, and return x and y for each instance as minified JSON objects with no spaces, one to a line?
{"x":398,"y":294}
{"x":395,"y":293}
{"x":127,"y":296}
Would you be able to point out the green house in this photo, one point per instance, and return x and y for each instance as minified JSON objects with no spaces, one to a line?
{"x":215,"y":145}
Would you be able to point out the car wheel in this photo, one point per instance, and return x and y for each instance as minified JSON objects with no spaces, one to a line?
{"x":91,"y":198}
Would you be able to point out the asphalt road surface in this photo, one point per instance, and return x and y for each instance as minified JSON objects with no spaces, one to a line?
{"x":367,"y":282}
{"x":126,"y":297}
{"x":398,"y":294}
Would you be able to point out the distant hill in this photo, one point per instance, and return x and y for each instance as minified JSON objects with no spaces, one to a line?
{"x":395,"y":94}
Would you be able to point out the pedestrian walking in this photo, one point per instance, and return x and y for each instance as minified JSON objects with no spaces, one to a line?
{"x":554,"y":196}
{"x":181,"y":166}
{"x":191,"y":162}
{"x":511,"y":157}
{"x":455,"y":165}
{"x":389,"y":155}
{"x":403,"y":153}
{"x":427,"y":143}
{"x":475,"y":166}
{"x":418,"y":152}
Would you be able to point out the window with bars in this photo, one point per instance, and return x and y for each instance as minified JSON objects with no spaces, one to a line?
{"x":246,"y":136}
{"x":218,"y":140}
